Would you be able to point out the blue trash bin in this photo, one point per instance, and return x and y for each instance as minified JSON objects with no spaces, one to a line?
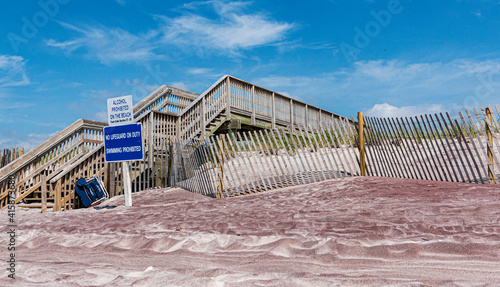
{"x":91,"y":192}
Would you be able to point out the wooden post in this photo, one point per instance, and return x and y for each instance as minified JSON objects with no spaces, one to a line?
{"x":306,"y":117}
{"x":178,"y":128}
{"x":57,"y":196}
{"x":362,"y":156}
{"x":491,"y":168}
{"x":252,"y":118}
{"x":203,"y":124}
{"x":221,"y":170}
{"x":44,"y":193}
{"x":228,"y":99}
{"x":150,"y":140}
{"x":273,"y":113}
{"x":171,"y":164}
{"x":127,"y":183}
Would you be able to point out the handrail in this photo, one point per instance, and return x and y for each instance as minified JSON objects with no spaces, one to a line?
{"x":297,"y":109}
{"x":158,"y":93}
{"x":203,"y":95}
{"x":47,"y":145}
{"x":283,"y":96}
{"x":69,"y":168}
{"x":63,"y":135}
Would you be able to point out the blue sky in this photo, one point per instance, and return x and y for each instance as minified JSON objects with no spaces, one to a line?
{"x":61,"y":59}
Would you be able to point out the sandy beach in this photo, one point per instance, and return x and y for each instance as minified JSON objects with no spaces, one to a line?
{"x":348,"y":232}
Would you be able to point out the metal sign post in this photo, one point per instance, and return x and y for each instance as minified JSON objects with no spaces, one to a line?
{"x":127,"y":183}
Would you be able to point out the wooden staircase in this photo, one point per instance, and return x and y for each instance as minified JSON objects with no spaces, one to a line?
{"x":68,"y":148}
{"x":46,"y":175}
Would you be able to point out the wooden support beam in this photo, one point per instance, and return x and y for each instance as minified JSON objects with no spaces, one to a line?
{"x":26,"y":193}
{"x":273,"y":113}
{"x":57,"y":196}
{"x":252,"y":118}
{"x":178,"y":128}
{"x":170,"y":163}
{"x":150,"y":139}
{"x":44,"y":193}
{"x":306,"y":117}
{"x":491,"y":168}
{"x":362,"y":163}
{"x":221,"y":167}
{"x":203,"y":124}
{"x":228,"y":98}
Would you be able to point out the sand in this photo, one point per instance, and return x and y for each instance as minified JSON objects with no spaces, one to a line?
{"x":348,"y":232}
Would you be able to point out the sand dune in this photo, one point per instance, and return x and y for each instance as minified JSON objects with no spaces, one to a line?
{"x":346,"y":232}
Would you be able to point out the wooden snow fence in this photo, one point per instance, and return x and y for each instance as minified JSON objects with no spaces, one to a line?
{"x":255,"y":161}
{"x":435,"y":147}
{"x":427,"y":147}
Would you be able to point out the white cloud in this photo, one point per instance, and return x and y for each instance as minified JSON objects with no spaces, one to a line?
{"x":14,"y":105}
{"x":180,"y":85}
{"x":199,"y":71}
{"x":109,"y":45}
{"x":101,"y":116}
{"x":386,"y":110}
{"x":230,"y":30}
{"x":11,"y":139}
{"x":13,"y":71}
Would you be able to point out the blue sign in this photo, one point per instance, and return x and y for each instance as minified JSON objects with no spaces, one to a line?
{"x":122,"y":143}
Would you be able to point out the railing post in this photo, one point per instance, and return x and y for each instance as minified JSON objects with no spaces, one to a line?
{"x":362,"y":157}
{"x":491,"y":168}
{"x":178,"y":128}
{"x":221,"y":163}
{"x":171,"y":163}
{"x":150,"y":141}
{"x":252,"y":119}
{"x":203,"y":124}
{"x":306,"y":117}
{"x":44,"y":193}
{"x":228,"y":99}
{"x":57,"y":196}
{"x":291,"y":112}
{"x":273,"y":113}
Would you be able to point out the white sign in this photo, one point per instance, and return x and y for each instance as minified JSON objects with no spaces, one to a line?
{"x":120,"y":111}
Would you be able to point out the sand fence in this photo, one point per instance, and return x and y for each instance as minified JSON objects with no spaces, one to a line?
{"x":428,"y":147}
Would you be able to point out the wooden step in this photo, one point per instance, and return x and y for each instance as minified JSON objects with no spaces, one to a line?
{"x":37,"y":199}
{"x":49,"y":205}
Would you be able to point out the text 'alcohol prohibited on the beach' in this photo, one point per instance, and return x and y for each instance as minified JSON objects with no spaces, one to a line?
{"x":120,"y":111}
{"x":122,"y":143}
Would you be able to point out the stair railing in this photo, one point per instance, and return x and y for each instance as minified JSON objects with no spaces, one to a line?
{"x":60,"y":150}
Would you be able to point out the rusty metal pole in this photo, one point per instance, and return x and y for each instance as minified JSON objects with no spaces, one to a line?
{"x":491,"y":168}
{"x":362,"y":155}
